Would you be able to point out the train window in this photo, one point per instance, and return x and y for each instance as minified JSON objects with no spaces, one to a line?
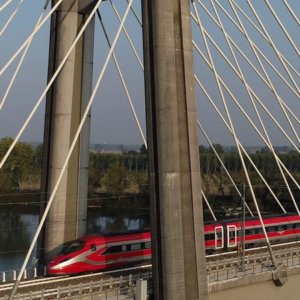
{"x":260,"y":231}
{"x":147,"y":245}
{"x":134,"y":247}
{"x":271,"y":228}
{"x":280,"y":228}
{"x":219,"y":237}
{"x":209,"y":236}
{"x":297,"y":225}
{"x":72,"y":246}
{"x":124,"y":248}
{"x":231,"y":235}
{"x":113,"y":249}
{"x":93,"y":247}
{"x":289,"y":226}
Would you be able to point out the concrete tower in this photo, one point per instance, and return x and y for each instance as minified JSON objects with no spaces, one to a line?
{"x":175,"y":193}
{"x":65,"y":103}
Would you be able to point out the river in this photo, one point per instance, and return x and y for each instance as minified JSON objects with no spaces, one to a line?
{"x":17,"y":227}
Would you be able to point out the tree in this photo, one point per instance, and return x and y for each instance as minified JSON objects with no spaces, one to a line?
{"x":115,"y":178}
{"x":17,"y":166}
{"x":217,"y":147}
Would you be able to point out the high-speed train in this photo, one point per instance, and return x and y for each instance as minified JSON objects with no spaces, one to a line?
{"x":98,"y":252}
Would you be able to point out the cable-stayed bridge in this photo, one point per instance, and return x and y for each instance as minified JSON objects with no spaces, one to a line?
{"x":226,"y":72}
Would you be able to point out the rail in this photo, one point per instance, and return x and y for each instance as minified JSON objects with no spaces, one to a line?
{"x":122,"y":287}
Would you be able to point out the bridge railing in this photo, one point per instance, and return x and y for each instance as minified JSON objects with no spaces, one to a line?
{"x":123,"y":287}
{"x":254,"y":264}
{"x":29,"y":273}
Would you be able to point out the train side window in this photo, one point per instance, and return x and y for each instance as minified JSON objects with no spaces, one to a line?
{"x":147,"y":245}
{"x":124,"y":248}
{"x":289,"y":226}
{"x":209,"y":236}
{"x":271,"y":228}
{"x":93,"y":247}
{"x":134,"y":247}
{"x":280,"y":228}
{"x":260,"y":231}
{"x":231,"y":235}
{"x":219,"y":237}
{"x":113,"y":249}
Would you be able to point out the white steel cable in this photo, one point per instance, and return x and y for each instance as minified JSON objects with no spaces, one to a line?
{"x":77,"y":134}
{"x":281,"y":26}
{"x":265,"y":72}
{"x":251,"y":65}
{"x":255,"y":108}
{"x":248,"y":118}
{"x":223,"y":165}
{"x":291,"y":12}
{"x":135,"y":14}
{"x":237,"y":142}
{"x":256,"y":47}
{"x":13,"y":57}
{"x":252,"y":23}
{"x":5,"y":4}
{"x":40,"y":100}
{"x":11,"y":17}
{"x":21,"y":60}
{"x":123,"y":83}
{"x":240,"y":144}
{"x":208,"y":205}
{"x":270,"y":41}
{"x":291,"y":66}
{"x":256,"y":97}
{"x":238,"y":27}
{"x":127,"y":36}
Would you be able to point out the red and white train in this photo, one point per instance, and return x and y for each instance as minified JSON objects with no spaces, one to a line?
{"x":98,"y":252}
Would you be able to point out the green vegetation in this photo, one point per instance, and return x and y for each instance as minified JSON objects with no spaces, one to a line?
{"x":118,"y":175}
{"x":20,"y":169}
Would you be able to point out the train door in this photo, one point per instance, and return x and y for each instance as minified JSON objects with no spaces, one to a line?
{"x":231,"y":236}
{"x":219,"y":237}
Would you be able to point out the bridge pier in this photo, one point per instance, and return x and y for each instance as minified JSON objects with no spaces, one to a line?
{"x":179,"y":269}
{"x":65,"y":103}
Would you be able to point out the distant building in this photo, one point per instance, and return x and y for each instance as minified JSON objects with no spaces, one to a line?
{"x":113,"y":148}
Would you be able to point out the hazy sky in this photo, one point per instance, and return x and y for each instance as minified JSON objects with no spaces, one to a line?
{"x":112,"y":121}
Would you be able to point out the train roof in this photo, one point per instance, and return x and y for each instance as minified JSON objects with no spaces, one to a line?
{"x":122,"y":236}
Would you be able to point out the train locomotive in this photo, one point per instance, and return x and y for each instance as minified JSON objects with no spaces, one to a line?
{"x":98,"y":252}
{"x":92,"y":253}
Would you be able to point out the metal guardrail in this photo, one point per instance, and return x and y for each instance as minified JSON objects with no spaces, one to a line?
{"x":11,"y":275}
{"x":121,"y":288}
{"x":254,"y":264}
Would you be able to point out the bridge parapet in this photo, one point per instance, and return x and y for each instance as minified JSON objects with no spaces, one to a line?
{"x":257,"y":286}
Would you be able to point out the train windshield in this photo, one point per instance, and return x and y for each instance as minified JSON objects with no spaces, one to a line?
{"x":72,"y":246}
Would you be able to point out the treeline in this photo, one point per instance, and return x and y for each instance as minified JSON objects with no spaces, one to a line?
{"x":118,"y":173}
{"x":263,"y":160}
{"x":128,"y":172}
{"x":22,"y":169}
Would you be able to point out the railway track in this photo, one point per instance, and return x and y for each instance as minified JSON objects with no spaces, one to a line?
{"x":215,"y":262}
{"x":48,"y":283}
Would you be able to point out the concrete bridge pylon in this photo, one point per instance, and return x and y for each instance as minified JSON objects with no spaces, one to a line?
{"x":64,"y":106}
{"x":179,"y":269}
